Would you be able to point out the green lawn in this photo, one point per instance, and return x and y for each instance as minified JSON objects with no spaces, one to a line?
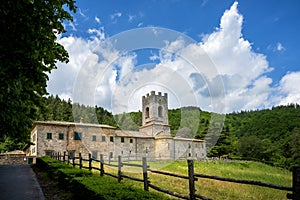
{"x":212,"y":188}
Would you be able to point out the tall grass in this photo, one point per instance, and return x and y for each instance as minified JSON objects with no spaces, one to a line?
{"x":214,"y":189}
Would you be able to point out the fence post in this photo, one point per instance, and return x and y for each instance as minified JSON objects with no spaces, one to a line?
{"x":109,"y":157}
{"x":80,"y":161}
{"x":296,"y":183}
{"x":145,"y":174}
{"x":119,"y":169}
{"x":69,"y":158}
{"x":101,"y":165}
{"x":73,"y":161}
{"x":90,"y":161}
{"x":64,"y":158}
{"x":191,"y":178}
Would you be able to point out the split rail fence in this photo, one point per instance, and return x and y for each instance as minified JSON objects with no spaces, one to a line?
{"x":192,"y":177}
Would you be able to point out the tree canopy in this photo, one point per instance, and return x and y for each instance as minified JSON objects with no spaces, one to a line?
{"x":29,"y":51}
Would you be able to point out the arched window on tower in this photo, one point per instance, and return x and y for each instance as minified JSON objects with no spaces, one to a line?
{"x":160,"y":111}
{"x":147,"y":113}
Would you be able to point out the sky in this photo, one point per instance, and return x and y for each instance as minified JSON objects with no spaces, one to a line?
{"x":220,"y":55}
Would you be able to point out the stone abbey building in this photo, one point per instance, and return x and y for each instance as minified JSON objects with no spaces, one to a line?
{"x":153,"y":139}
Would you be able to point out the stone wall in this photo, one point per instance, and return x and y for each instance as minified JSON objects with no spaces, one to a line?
{"x":53,"y":138}
{"x":155,"y":128}
{"x":12,"y":159}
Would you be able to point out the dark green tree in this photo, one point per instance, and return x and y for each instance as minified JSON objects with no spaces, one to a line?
{"x":29,"y":51}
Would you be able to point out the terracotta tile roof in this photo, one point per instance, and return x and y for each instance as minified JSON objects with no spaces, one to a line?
{"x":62,"y":123}
{"x":15,"y":152}
{"x":136,"y":134}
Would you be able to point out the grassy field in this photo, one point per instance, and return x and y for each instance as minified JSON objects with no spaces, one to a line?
{"x":212,"y":188}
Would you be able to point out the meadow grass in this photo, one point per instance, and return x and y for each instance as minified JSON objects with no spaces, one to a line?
{"x":214,"y":189}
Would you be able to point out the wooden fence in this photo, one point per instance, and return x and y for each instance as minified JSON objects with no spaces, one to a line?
{"x":192,"y":177}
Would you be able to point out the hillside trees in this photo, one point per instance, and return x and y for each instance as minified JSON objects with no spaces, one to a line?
{"x":29,"y":51}
{"x":56,"y":109}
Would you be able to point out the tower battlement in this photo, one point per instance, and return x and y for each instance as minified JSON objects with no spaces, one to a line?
{"x":155,"y":108}
{"x":152,"y":93}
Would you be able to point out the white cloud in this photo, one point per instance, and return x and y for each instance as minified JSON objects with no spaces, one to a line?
{"x":199,"y":74}
{"x":277,"y":47}
{"x":131,"y":17}
{"x":288,"y":89}
{"x":97,"y":19}
{"x":99,"y":33}
{"x":115,"y":15}
{"x":280,"y":47}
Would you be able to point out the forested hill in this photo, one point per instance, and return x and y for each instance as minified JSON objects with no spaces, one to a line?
{"x":271,"y":135}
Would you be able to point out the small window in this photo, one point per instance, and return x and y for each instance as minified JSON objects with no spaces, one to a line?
{"x":77,"y":136}
{"x":111,"y":139}
{"x":122,"y":139}
{"x":94,"y":138}
{"x":48,"y":153}
{"x":94,"y":154}
{"x":160,"y":110}
{"x":147,"y":113}
{"x":131,"y":140}
{"x":61,"y":136}
{"x":49,"y":135}
{"x":103,"y":138}
{"x":71,"y":154}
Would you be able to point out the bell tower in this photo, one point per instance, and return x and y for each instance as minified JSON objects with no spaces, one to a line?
{"x":155,"y":113}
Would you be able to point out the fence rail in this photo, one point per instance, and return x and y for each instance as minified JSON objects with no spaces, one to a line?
{"x":192,"y":177}
{"x":249,"y":182}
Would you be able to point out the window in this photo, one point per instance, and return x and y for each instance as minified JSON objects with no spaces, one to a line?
{"x":60,"y":136}
{"x":77,"y":136}
{"x":49,"y":135}
{"x":48,"y":153}
{"x":94,"y":154}
{"x":71,"y":154}
{"x":131,"y":140}
{"x":147,"y":113}
{"x":160,"y":109}
{"x":111,"y":139}
{"x":103,"y":138}
{"x":94,"y":138}
{"x":122,"y":139}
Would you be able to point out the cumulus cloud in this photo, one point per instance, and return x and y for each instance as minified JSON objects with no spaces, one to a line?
{"x":222,"y":73}
{"x":288,"y":89}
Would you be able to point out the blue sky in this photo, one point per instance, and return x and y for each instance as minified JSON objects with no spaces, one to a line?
{"x":253,"y":47}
